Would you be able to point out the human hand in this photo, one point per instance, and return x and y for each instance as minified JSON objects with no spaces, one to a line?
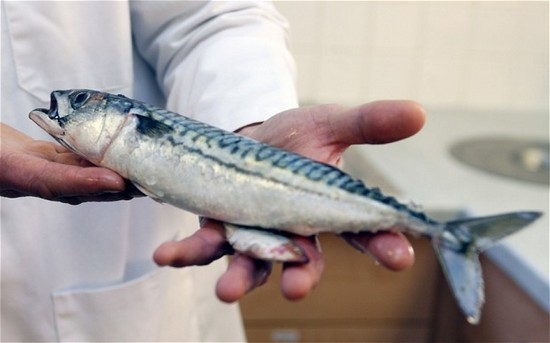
{"x":47,"y":170}
{"x":322,"y":133}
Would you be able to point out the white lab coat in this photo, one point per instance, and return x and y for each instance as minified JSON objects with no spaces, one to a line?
{"x":85,"y":272}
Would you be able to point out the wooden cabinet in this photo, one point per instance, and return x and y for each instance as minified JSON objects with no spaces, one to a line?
{"x":509,"y":314}
{"x":358,"y":301}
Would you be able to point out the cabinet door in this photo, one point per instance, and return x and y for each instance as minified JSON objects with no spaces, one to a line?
{"x":355,"y":301}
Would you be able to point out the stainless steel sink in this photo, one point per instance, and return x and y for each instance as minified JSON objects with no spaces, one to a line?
{"x":517,"y":158}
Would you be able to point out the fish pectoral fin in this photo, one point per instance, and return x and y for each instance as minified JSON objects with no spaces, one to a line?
{"x":147,"y":192}
{"x":264,"y":244}
{"x":150,"y":127}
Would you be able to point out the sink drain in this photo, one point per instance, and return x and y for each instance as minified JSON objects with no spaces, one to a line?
{"x":520,"y":159}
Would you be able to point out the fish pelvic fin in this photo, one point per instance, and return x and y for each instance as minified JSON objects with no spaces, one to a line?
{"x":264,"y":244}
{"x":458,"y":247}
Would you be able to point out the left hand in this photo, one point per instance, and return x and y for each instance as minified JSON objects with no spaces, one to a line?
{"x":322,"y":133}
{"x":50,"y":171}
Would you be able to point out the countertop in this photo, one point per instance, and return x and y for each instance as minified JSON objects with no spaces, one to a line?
{"x":422,"y":170}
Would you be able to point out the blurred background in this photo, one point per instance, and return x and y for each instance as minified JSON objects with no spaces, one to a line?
{"x":474,"y":54}
{"x":481,"y":70}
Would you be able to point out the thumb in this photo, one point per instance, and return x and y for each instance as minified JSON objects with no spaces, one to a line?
{"x":377,"y":122}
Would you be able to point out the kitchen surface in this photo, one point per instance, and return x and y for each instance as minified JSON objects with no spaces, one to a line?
{"x":480,"y":69}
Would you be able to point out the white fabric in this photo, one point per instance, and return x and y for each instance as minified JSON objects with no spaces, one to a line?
{"x":85,"y":272}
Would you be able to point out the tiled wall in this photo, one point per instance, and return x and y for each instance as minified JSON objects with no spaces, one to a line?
{"x":483,"y":55}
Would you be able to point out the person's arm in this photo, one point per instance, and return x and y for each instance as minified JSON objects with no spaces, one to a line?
{"x":47,"y":170}
{"x":225,"y":63}
{"x":322,"y":133}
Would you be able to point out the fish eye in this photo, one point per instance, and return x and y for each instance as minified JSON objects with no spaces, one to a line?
{"x":79,"y":98}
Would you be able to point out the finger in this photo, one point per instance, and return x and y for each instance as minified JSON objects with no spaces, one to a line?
{"x":70,"y":158}
{"x":299,"y":279}
{"x":99,"y":192}
{"x":55,"y":153}
{"x":30,"y":175}
{"x":59,"y":180}
{"x":204,"y":246}
{"x":377,"y":122}
{"x":392,"y":250}
{"x":243,"y":275}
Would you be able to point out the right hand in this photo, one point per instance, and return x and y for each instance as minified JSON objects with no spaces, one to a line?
{"x":321,"y":132}
{"x":50,"y":171}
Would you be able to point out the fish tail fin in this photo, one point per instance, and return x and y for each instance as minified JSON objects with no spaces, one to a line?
{"x":458,"y":247}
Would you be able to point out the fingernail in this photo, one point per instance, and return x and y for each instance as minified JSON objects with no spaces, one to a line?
{"x":111,"y":180}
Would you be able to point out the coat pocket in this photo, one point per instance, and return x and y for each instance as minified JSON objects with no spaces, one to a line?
{"x":63,"y":45}
{"x":155,"y":307}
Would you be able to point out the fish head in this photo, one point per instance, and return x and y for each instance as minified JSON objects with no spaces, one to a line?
{"x":84,"y":121}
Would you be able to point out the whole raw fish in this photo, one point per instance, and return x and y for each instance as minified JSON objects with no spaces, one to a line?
{"x":254,"y":187}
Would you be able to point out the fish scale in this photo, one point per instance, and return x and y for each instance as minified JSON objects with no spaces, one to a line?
{"x":245,"y":147}
{"x":260,"y":193}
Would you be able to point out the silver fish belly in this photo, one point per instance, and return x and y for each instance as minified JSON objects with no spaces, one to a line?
{"x":245,"y":183}
{"x":238,"y":180}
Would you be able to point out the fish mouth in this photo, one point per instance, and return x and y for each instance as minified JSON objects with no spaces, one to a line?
{"x":52,"y":112}
{"x":48,"y":119}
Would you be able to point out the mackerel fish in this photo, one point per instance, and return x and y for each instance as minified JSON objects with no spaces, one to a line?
{"x":260,"y":192}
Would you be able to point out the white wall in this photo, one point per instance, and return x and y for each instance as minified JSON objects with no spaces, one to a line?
{"x":482,"y":55}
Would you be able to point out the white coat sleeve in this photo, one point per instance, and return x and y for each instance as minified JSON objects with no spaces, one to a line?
{"x":223,"y":62}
